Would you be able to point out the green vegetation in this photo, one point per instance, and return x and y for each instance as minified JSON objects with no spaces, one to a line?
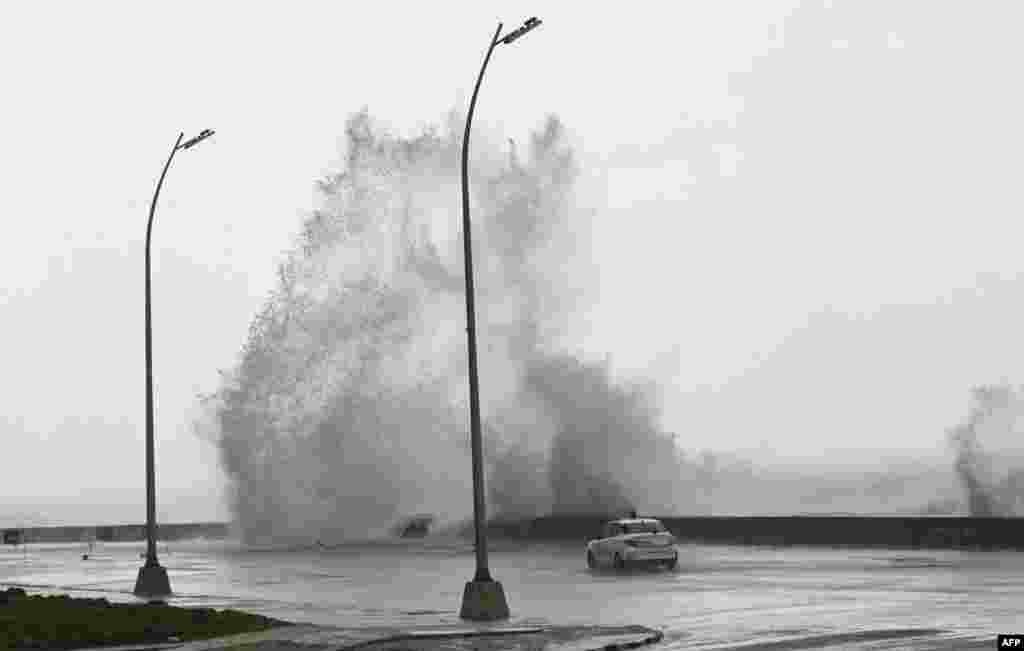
{"x":60,"y":622}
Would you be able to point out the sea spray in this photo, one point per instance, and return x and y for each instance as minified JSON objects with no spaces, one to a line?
{"x":994,"y":409}
{"x":347,"y":408}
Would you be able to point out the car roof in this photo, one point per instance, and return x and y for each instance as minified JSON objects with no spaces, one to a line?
{"x":636,"y":521}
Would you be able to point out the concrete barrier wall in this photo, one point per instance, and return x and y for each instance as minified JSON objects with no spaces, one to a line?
{"x":116,"y":533}
{"x":833,"y":531}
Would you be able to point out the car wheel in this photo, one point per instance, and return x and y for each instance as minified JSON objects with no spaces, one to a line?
{"x":620,"y":564}
{"x":672,"y":564}
{"x":591,"y":561}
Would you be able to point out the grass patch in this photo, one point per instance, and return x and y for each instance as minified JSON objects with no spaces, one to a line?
{"x":60,"y":622}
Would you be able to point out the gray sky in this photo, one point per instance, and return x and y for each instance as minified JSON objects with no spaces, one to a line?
{"x":806,"y":221}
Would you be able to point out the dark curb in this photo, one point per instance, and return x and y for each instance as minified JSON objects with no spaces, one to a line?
{"x":406,"y":637}
{"x":653,"y":639}
{"x":656,"y":637}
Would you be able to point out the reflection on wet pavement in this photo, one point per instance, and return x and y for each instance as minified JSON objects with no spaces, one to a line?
{"x":720,"y":597}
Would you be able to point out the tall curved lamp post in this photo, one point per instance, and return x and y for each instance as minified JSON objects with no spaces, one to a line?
{"x":483,"y":597}
{"x":152,"y":580}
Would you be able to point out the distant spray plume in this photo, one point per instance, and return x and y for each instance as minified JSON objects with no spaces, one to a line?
{"x":996,"y":407}
{"x":347,"y":409}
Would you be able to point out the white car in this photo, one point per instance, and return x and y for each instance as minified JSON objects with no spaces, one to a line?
{"x":632,"y":542}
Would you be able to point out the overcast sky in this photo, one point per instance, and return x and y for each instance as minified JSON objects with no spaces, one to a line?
{"x":807,"y":219}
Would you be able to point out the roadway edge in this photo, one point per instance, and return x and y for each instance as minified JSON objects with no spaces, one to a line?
{"x":654,"y":637}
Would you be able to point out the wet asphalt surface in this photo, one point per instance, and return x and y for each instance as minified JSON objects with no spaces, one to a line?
{"x":719,"y":597}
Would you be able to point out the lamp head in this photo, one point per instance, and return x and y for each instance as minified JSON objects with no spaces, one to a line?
{"x":203,"y":135}
{"x":527,"y":26}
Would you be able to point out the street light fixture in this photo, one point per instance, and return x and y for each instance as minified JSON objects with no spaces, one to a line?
{"x":483,"y":597}
{"x":203,"y":135}
{"x":527,"y":26}
{"x":152,"y":580}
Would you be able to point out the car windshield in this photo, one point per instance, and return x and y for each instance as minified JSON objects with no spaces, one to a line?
{"x":643,"y":527}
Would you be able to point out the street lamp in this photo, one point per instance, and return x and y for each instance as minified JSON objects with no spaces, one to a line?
{"x":483,"y":597}
{"x":152,"y":580}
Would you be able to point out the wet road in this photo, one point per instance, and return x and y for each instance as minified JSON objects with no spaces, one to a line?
{"x":720,"y":597}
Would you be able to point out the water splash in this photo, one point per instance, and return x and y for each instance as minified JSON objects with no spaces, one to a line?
{"x":347,"y":408}
{"x":994,"y":407}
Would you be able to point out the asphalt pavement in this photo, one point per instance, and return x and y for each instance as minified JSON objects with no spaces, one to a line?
{"x":719,"y":598}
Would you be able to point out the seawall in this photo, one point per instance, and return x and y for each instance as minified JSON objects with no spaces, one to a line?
{"x":922,"y":532}
{"x":114,"y":533}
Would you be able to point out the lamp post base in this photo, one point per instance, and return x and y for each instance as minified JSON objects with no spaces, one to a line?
{"x":152,"y":582}
{"x":484,"y":601}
